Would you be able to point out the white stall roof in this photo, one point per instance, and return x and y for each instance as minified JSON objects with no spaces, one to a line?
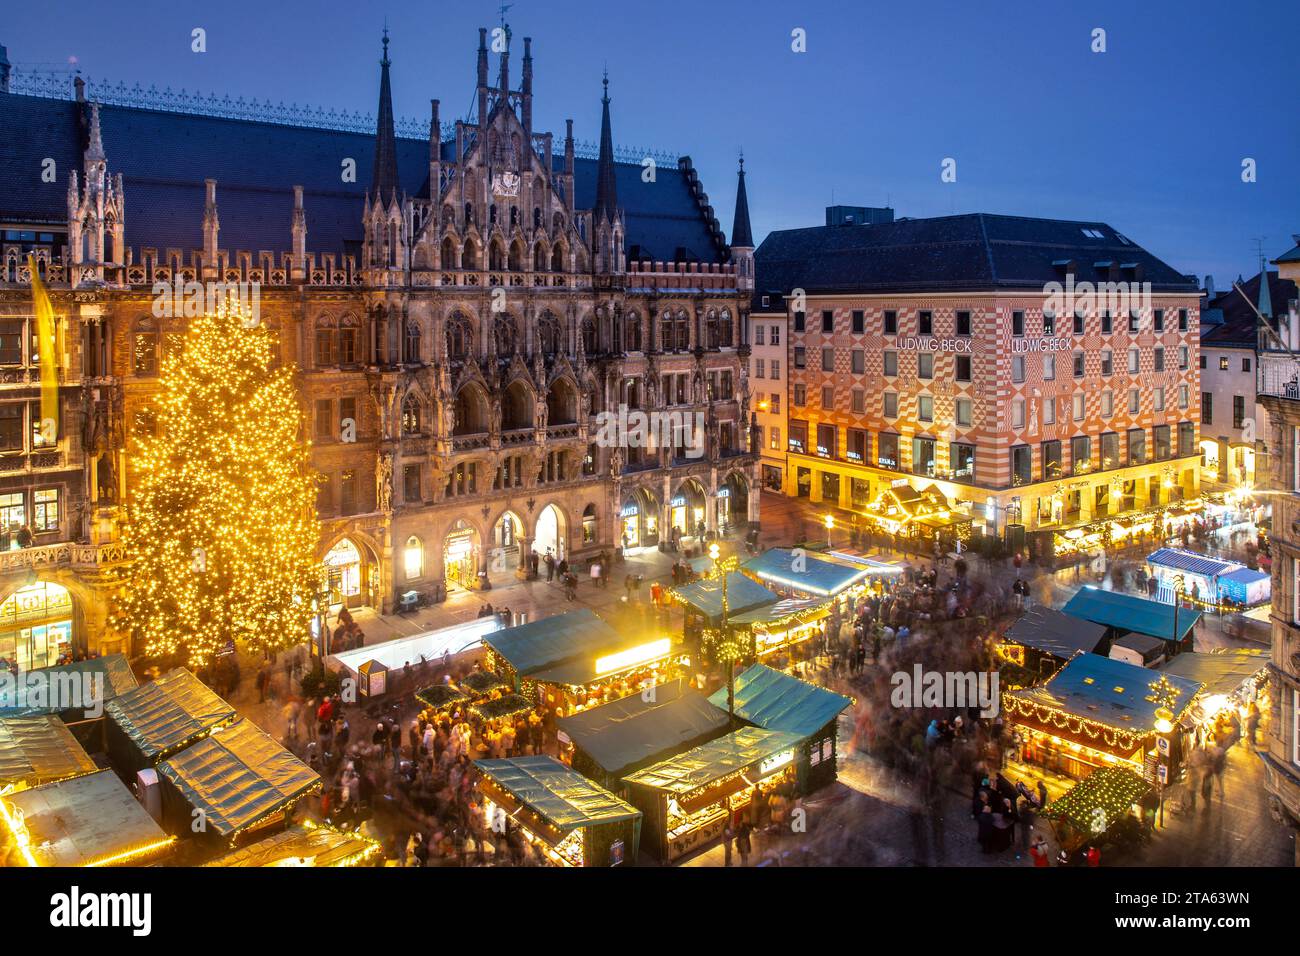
{"x":431,"y":645}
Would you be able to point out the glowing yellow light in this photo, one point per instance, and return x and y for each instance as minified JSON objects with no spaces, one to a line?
{"x":714,"y":551}
{"x":830,"y":522}
{"x":633,"y":656}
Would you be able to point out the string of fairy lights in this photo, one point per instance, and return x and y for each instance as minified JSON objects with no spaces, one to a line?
{"x":222,"y":525}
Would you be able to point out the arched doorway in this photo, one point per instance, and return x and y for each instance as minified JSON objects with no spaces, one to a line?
{"x":37,"y":625}
{"x":504,"y":552}
{"x":686,"y":509}
{"x":350,"y":574}
{"x":733,"y":503}
{"x":639,"y":520}
{"x":552,"y":533}
{"x":460,"y":554}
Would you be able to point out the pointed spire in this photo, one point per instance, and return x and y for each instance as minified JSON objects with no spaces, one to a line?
{"x":95,"y":146}
{"x":741,"y":236}
{"x":384,"y":183}
{"x":606,"y":189}
{"x":1265,"y":298}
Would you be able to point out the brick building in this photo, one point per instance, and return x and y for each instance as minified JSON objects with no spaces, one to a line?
{"x":998,"y":364}
{"x":461,"y":305}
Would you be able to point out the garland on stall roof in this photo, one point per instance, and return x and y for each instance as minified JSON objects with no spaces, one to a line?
{"x":1076,"y":725}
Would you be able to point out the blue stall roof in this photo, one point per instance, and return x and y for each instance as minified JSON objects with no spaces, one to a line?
{"x":743,"y":594}
{"x":737,"y":751}
{"x":1111,"y":692}
{"x":1244,"y":576}
{"x":560,"y":795}
{"x":553,"y":640}
{"x":775,"y":700}
{"x":807,"y":572}
{"x":1128,"y":613}
{"x":1190,"y":561}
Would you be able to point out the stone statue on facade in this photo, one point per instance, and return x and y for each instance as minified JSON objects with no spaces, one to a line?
{"x":384,"y":482}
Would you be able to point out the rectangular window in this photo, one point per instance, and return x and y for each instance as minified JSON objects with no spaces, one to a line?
{"x":963,"y":323}
{"x":925,"y":323}
{"x":800,"y":398}
{"x":1223,"y":363}
{"x":1080,"y":454}
{"x":1207,"y":408}
{"x":1245,"y":365}
{"x":859,"y":361}
{"x":758,"y":334}
{"x":324,"y":418}
{"x":1107,"y":403}
{"x":798,"y":436}
{"x":963,"y":368}
{"x":776,"y":335}
{"x":1078,"y":402}
{"x":925,"y":365}
{"x":1158,"y":398}
{"x":1018,"y":413}
{"x":800,"y":320}
{"x":1051,"y":460}
{"x":859,"y":321}
{"x":1137,"y":446}
{"x":1049,"y":411}
{"x":348,"y":498}
{"x":1182,"y":320}
{"x":1049,"y":368}
{"x":1158,"y":320}
{"x":1158,"y":357}
{"x":1134,"y":401}
{"x":828,"y":320}
{"x":887,"y":450}
{"x":1107,"y":323}
{"x":1017,"y":323}
{"x":11,"y":342}
{"x":828,"y":397}
{"x":827,"y":445}
{"x":859,"y":445}
{"x":1049,"y":323}
{"x":859,"y":400}
{"x":1022,"y":462}
{"x":891,"y":404}
{"x":1017,"y":368}
{"x":961,"y":458}
{"x":1110,"y":450}
{"x":923,"y":456}
{"x":45,"y":510}
{"x":411,"y":483}
{"x":776,"y":402}
{"x":776,"y":368}
{"x":760,"y":367}
{"x":1186,"y":439}
{"x":1238,"y":410}
{"x":1078,"y":323}
{"x":1134,"y":322}
{"x":1183,"y":397}
{"x":800,"y":357}
{"x":1107,"y":362}
{"x":891,"y":363}
{"x":774,"y":439}
{"x":1182,"y":358}
{"x":925,"y":408}
{"x":891,"y":322}
{"x":828,"y":360}
{"x":325,"y":348}
{"x":1160,"y":435}
{"x":1078,"y":364}
{"x":1134,"y":361}
{"x":963,"y":411}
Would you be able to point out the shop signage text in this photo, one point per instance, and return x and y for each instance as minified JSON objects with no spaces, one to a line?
{"x":916,"y":343}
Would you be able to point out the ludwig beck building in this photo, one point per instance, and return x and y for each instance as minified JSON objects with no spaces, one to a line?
{"x":462,"y":303}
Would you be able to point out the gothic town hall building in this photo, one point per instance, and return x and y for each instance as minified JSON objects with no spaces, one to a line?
{"x":460,"y":311}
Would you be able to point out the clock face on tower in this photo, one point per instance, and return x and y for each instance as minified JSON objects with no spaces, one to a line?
{"x":505,"y":184}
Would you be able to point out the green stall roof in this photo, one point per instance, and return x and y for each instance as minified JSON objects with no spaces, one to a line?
{"x":440,"y":696}
{"x":163,"y":716}
{"x":1222,"y":671}
{"x":563,"y":797}
{"x":1112,"y":790}
{"x":544,"y":643}
{"x":237,"y":776}
{"x":117,"y":676}
{"x":1125,"y":612}
{"x":775,"y":700}
{"x":508,"y":705}
{"x":37,"y":750}
{"x":718,"y":758}
{"x":816,"y":574}
{"x":743,"y":594}
{"x":632,"y":731}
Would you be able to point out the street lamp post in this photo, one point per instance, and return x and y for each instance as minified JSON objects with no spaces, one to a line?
{"x":830,"y":526}
{"x":715,"y":554}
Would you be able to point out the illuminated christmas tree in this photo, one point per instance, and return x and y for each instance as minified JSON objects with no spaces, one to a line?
{"x":222,"y":523}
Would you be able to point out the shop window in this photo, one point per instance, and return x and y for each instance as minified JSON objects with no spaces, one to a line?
{"x":45,"y":510}
{"x":1022,"y":459}
{"x":413,"y":558}
{"x":887,"y":450}
{"x":962,"y":460}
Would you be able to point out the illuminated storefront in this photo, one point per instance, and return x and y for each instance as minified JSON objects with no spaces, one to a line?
{"x":36,"y":625}
{"x":459,"y":556}
{"x":639,"y":520}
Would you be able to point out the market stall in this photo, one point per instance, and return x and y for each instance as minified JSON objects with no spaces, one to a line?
{"x":441,"y":698}
{"x":609,"y":742}
{"x":567,"y":818}
{"x":306,"y":845}
{"x":105,"y":677}
{"x":1092,"y":812}
{"x":91,"y":820}
{"x":160,"y":718}
{"x":1043,"y":639}
{"x":702,"y":599}
{"x":1231,"y":678}
{"x":1209,"y":583}
{"x":430,"y":646}
{"x":578,"y":660}
{"x":39,"y":750}
{"x":807,"y":574}
{"x":686,"y":799}
{"x":237,"y":780}
{"x":1126,"y":614}
{"x":781,"y":625}
{"x":774,"y":700}
{"x":924,"y":514}
{"x":1097,"y":712}
{"x":497,"y":708}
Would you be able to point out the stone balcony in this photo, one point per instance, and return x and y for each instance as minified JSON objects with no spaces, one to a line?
{"x":64,"y":554}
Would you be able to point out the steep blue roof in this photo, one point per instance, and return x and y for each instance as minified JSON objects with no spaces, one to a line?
{"x":552,"y":640}
{"x":1109,"y":691}
{"x":1128,"y":613}
{"x":743,"y":594}
{"x":164,"y":157}
{"x":1190,"y":561}
{"x":775,"y":700}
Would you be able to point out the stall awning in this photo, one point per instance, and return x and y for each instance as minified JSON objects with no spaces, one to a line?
{"x":1222,"y":671}
{"x":791,"y":608}
{"x":558,"y":794}
{"x":37,"y":750}
{"x":92,"y":820}
{"x":1191,"y":562}
{"x":481,"y":683}
{"x":506,"y":706}
{"x":1124,"y":612}
{"x":743,"y":594}
{"x":1111,"y":790}
{"x":737,"y":751}
{"x":544,"y":643}
{"x":1056,"y":633}
{"x":112,"y":673}
{"x":165,"y":715}
{"x":807,"y":572}
{"x":238,"y":776}
{"x":635,"y":730}
{"x":440,"y":696}
{"x":775,"y":700}
{"x":319,"y":846}
{"x":1102,"y":690}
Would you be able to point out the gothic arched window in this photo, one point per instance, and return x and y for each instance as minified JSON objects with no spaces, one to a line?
{"x":411,"y":348}
{"x":410,"y":415}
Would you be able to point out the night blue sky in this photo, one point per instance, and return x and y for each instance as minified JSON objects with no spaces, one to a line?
{"x":1148,"y":136}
